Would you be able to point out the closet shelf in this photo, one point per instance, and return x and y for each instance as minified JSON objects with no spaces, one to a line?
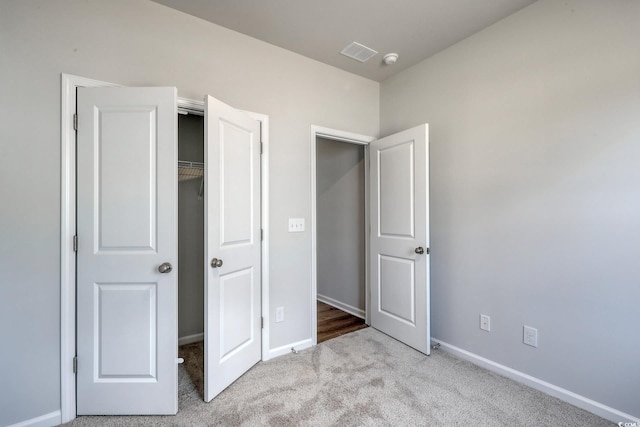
{"x":190,"y":170}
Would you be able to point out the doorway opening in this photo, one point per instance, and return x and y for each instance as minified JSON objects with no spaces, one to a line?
{"x":340,"y":218}
{"x":339,"y":234}
{"x":191,"y":245}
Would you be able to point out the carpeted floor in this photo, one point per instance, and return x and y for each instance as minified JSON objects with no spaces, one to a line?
{"x":362,"y":379}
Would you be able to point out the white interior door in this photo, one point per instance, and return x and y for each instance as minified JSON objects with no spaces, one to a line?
{"x":400,"y":236}
{"x":127,"y":228}
{"x":232,"y":245}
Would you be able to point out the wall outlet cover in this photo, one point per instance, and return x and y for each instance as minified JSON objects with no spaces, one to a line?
{"x":530,"y":336}
{"x":485,"y":322}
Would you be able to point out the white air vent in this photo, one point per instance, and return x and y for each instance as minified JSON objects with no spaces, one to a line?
{"x":358,"y":52}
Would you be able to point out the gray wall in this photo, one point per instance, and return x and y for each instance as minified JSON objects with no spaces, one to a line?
{"x":340,"y":221}
{"x":141,"y":43}
{"x":190,"y":231}
{"x":535,"y":146}
{"x":535,"y":178}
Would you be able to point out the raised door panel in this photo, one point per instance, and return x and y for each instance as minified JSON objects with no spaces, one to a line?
{"x":237,"y":184}
{"x":397,"y":288}
{"x":125,"y":318}
{"x":396,"y":205}
{"x":125,"y":172}
{"x":236,"y":312}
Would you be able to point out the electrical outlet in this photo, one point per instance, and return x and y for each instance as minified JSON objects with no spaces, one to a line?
{"x":279,"y":314}
{"x":485,"y":322}
{"x":296,"y":225}
{"x":530,"y":336}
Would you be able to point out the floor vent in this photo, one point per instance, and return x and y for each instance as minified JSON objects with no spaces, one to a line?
{"x":358,"y":52}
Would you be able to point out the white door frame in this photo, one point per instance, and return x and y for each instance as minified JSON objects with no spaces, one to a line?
{"x":69,"y":84}
{"x":350,"y":138}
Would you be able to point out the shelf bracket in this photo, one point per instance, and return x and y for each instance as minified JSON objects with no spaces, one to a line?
{"x":201,"y":192}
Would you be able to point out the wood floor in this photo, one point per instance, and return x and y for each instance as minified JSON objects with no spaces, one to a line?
{"x":333,"y":322}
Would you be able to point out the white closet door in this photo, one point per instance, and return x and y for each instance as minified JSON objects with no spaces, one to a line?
{"x":400,"y":236}
{"x":127,"y":229}
{"x":232,"y":247}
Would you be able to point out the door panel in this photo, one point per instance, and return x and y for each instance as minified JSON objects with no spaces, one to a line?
{"x":397,"y":301}
{"x":236,"y":311}
{"x":232,"y":233}
{"x":237,"y":180}
{"x":399,"y":225}
{"x":127,"y":198}
{"x":396,"y":197}
{"x":115,"y":306}
{"x":129,"y":156}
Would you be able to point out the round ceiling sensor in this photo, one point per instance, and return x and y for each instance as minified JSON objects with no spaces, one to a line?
{"x":390,"y":58}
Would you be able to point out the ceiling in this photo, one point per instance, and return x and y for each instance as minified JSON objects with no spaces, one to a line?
{"x":320,"y":29}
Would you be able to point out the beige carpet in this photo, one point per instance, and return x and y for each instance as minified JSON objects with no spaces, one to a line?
{"x":362,"y":379}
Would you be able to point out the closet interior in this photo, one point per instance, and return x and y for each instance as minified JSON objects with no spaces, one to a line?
{"x":191,"y":242}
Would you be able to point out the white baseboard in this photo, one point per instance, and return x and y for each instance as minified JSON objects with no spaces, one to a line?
{"x":47,"y":420}
{"x":342,"y":306}
{"x":191,"y":338}
{"x":286,"y":349}
{"x":574,"y":399}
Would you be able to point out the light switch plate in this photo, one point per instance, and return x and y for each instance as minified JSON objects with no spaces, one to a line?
{"x":296,"y":225}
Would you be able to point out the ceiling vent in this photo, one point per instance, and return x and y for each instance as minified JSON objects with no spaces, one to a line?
{"x":358,"y":52}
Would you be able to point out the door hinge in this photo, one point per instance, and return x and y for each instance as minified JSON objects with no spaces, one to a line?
{"x":75,"y":243}
{"x":261,"y":234}
{"x":75,"y":122}
{"x":262,"y":323}
{"x":428,"y":251}
{"x":261,"y":148}
{"x":75,"y":364}
{"x":260,"y":122}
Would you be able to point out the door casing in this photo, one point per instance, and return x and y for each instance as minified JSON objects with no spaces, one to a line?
{"x":349,"y":138}
{"x":69,"y":83}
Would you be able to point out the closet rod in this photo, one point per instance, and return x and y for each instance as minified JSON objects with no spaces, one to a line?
{"x":185,"y":111}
